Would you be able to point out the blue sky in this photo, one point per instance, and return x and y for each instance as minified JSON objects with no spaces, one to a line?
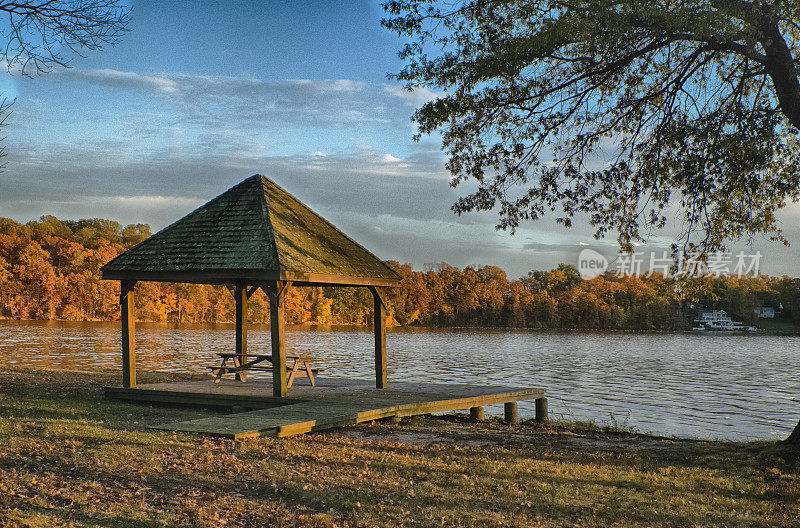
{"x":199,"y":96}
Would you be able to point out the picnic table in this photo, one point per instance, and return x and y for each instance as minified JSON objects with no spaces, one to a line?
{"x":300,"y":366}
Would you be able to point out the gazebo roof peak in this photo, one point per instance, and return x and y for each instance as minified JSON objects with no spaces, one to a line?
{"x":254,"y":231}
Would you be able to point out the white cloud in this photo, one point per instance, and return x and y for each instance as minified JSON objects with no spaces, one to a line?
{"x":388,"y":158}
{"x":144,"y":201}
{"x":345,"y":85}
{"x":123,"y":79}
{"x":156,"y":210}
{"x":218,"y":101}
{"x":415,"y":98}
{"x":409,"y":200}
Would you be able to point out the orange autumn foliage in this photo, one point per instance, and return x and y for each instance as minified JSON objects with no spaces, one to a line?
{"x":49,"y":269}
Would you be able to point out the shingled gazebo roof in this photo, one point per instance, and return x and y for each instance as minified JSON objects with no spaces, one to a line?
{"x":254,"y":231}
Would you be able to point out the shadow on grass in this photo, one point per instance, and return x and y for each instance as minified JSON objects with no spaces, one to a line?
{"x":585,"y":477}
{"x":69,"y":515}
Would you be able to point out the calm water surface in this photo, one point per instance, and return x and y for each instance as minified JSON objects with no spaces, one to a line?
{"x":708,"y":386}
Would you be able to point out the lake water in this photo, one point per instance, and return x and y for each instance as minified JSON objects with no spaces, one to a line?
{"x":734,"y":387}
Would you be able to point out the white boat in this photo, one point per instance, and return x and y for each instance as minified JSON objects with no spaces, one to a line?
{"x":718,"y":320}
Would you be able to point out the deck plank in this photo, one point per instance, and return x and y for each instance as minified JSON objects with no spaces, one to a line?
{"x":332,"y":403}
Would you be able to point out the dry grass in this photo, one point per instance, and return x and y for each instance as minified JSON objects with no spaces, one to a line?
{"x":70,"y":458}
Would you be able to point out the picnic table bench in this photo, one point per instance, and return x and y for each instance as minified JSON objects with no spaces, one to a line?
{"x":300,"y":366}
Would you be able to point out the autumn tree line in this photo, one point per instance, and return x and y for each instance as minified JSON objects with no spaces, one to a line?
{"x":49,"y":269}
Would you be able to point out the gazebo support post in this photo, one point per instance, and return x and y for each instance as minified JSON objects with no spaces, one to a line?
{"x":240,"y":295}
{"x":276,"y":292}
{"x":379,"y":323}
{"x":128,"y":320}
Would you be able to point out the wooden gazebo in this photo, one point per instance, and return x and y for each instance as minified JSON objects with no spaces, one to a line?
{"x":255,"y":235}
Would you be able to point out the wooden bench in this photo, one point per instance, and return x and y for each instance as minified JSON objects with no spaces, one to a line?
{"x":300,"y":367}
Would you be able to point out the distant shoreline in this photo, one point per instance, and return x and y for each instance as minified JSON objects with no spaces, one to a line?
{"x":781,"y":329}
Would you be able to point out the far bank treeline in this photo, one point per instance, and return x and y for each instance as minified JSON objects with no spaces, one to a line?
{"x":50,"y":270}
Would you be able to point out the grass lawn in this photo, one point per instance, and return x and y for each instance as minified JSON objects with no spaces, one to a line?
{"x":70,"y":458}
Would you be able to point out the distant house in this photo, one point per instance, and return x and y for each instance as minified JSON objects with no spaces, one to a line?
{"x":765,"y":312}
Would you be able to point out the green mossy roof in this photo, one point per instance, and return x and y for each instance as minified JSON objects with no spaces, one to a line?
{"x":254,"y":226}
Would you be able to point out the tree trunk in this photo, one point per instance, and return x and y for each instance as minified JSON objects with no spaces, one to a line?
{"x":794,"y":438}
{"x":781,"y":69}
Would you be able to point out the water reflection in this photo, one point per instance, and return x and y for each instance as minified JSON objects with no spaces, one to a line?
{"x":708,"y":386}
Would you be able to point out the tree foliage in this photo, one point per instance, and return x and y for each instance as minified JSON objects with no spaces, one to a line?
{"x":623,"y":111}
{"x":50,"y":269}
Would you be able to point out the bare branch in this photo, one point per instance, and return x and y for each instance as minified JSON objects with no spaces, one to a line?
{"x":44,"y":34}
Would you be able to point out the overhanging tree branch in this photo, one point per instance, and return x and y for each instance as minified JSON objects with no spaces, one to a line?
{"x":672,"y":93}
{"x":42,"y":34}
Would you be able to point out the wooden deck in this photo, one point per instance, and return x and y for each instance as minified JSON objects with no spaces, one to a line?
{"x":332,"y":403}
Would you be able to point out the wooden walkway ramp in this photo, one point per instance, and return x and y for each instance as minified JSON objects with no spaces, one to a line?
{"x":332,"y":403}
